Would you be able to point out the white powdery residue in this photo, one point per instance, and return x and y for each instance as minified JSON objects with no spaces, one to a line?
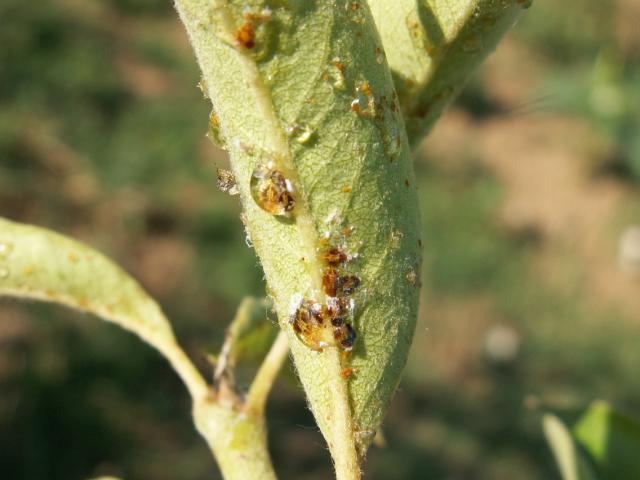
{"x":289,"y":185}
{"x":332,"y":216}
{"x":294,"y":303}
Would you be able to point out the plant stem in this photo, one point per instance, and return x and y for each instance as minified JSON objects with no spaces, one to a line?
{"x":238,"y":441}
{"x":186,"y":370}
{"x":267,"y":374}
{"x":342,"y":443}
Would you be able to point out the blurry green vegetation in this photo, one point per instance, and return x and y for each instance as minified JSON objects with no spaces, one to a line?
{"x":593,"y":46}
{"x":603,"y":444}
{"x":612,"y":440}
{"x":102,"y":137}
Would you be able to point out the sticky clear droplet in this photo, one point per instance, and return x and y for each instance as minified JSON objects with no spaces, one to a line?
{"x":300,"y":133}
{"x":335,"y":74}
{"x":5,"y":249}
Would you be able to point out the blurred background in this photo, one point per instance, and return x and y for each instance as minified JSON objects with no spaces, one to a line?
{"x":530,"y":192}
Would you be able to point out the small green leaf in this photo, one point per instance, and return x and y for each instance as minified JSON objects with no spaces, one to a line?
{"x":251,"y":332}
{"x":570,"y":462}
{"x":612,"y":439}
{"x":38,"y":264}
{"x":432,"y":47}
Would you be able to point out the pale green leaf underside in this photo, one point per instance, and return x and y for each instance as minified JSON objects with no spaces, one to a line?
{"x":434,"y":45}
{"x":569,"y":459}
{"x":38,"y":264}
{"x":351,"y":172}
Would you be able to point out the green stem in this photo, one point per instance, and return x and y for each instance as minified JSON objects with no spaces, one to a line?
{"x":185,"y":369}
{"x":236,"y":430}
{"x":238,"y":440}
{"x":267,"y":374}
{"x":341,"y":443}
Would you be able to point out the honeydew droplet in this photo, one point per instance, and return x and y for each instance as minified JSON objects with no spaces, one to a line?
{"x":5,"y":249}
{"x":300,"y":133}
{"x":335,"y":74}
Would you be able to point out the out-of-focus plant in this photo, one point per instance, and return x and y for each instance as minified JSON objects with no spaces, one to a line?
{"x":596,"y":44}
{"x":602,"y":445}
{"x":310,"y":99}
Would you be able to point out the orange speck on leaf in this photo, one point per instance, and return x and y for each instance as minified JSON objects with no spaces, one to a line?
{"x":246,"y":33}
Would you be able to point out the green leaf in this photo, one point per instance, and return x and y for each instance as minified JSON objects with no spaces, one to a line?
{"x":569,"y":459}
{"x":249,"y":337}
{"x":36,"y":263}
{"x":311,"y":94}
{"x":433,"y":46}
{"x":251,"y":332}
{"x":612,"y":439}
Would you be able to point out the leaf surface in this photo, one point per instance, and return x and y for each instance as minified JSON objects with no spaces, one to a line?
{"x":38,"y":264}
{"x":312,"y":96}
{"x":434,"y":45}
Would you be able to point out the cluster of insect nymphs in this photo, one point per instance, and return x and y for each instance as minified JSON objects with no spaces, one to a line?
{"x":320,"y":325}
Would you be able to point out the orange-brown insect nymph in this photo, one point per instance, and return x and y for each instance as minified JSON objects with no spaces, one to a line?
{"x":246,"y":33}
{"x":272,"y":191}
{"x":309,"y":325}
{"x":334,"y":256}
{"x":319,"y":326}
{"x":336,"y":285}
